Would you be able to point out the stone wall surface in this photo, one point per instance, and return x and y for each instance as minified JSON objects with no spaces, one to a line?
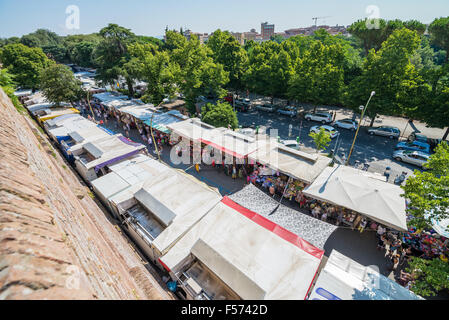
{"x":55,"y":241}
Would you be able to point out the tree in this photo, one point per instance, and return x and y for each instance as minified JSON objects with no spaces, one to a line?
{"x":159,"y":73}
{"x":174,"y":40}
{"x":227,"y":51}
{"x":321,"y":139}
{"x":439,"y":30}
{"x":220,"y":115}
{"x":270,"y":70}
{"x":112,"y":54}
{"x":319,"y":75}
{"x":59,"y":84}
{"x":388,"y":72}
{"x":428,"y":192}
{"x":197,"y":74}
{"x":430,"y":276}
{"x":277,"y":38}
{"x":24,"y":63}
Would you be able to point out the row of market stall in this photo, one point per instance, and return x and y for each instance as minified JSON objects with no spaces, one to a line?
{"x":301,"y":174}
{"x":212,"y":247}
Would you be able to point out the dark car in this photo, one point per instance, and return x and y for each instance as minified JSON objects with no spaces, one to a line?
{"x":422,"y":138}
{"x":243,"y":105}
{"x":266,"y":108}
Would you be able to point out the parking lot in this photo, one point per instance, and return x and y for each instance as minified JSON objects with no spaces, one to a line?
{"x":373,"y":150}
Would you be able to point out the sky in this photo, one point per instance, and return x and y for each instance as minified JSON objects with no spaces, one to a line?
{"x":150,"y":17}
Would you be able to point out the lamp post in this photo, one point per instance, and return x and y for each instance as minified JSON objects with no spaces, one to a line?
{"x":152,"y":135}
{"x":363,"y":109}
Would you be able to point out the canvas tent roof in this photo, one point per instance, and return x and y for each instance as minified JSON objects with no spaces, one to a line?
{"x":268,"y":262}
{"x":60,"y":121}
{"x":362,"y":192}
{"x":345,"y":279}
{"x":192,"y":129}
{"x":174,"y":197}
{"x":315,"y":231}
{"x":128,"y":174}
{"x":296,"y":164}
{"x":141,"y":112}
{"x":441,"y":226}
{"x":230,"y":142}
{"x":162,"y":120}
{"x":113,"y":149}
{"x":109,"y":96}
{"x":57,"y":112}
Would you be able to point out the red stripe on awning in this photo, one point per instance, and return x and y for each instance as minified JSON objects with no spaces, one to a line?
{"x":276,"y":229}
{"x":216,"y":146}
{"x":164,"y":265}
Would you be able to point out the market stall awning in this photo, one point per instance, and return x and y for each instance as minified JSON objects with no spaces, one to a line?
{"x":160,"y":121}
{"x":296,"y":164}
{"x":315,"y":231}
{"x":255,"y":257}
{"x":231,"y":142}
{"x":345,"y":279}
{"x":140,"y":112}
{"x":365,"y":193}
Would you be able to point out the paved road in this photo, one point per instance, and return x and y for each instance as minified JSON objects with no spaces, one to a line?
{"x":360,"y":247}
{"x":374,"y":150}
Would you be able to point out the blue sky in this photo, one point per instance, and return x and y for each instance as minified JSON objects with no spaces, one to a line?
{"x":19,"y":17}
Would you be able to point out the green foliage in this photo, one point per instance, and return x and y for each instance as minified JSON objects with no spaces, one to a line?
{"x":24,"y":63}
{"x":390,"y":73}
{"x":111,"y":55}
{"x":319,"y":76}
{"x":270,"y":69}
{"x":8,"y":85}
{"x":174,"y":40}
{"x":439,"y":29}
{"x":321,"y":139}
{"x":58,"y":84}
{"x":428,"y":192}
{"x":432,"y":276}
{"x":220,"y":115}
{"x":197,"y":74}
{"x":227,"y":51}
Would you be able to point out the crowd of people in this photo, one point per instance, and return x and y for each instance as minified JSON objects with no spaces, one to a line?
{"x":398,"y":247}
{"x":103,"y":115}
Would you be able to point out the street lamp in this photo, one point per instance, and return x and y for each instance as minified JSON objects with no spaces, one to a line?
{"x":363,"y":109}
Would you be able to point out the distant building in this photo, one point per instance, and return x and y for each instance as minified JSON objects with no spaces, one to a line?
{"x":240,"y":37}
{"x":267,"y":30}
{"x":202,"y":37}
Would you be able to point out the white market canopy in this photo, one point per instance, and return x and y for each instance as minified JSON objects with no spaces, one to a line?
{"x":366,"y":193}
{"x":296,"y":164}
{"x":344,"y":279}
{"x":253,"y":256}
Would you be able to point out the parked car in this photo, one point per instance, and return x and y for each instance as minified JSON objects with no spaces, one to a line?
{"x":288,"y":111}
{"x":422,"y":138}
{"x":291,"y":144}
{"x":322,"y":117}
{"x":266,"y":108}
{"x":346,"y":124}
{"x":331,"y":130}
{"x":416,"y":158}
{"x":243,"y":104}
{"x":390,"y":132}
{"x":414,"y":146}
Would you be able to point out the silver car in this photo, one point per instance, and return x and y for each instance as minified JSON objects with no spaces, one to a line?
{"x":322,"y":117}
{"x":385,"y":131}
{"x":346,"y":124}
{"x":416,"y":158}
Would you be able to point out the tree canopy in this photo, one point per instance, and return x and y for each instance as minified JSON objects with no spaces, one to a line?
{"x":24,"y":63}
{"x":58,"y":84}
{"x":220,"y":115}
